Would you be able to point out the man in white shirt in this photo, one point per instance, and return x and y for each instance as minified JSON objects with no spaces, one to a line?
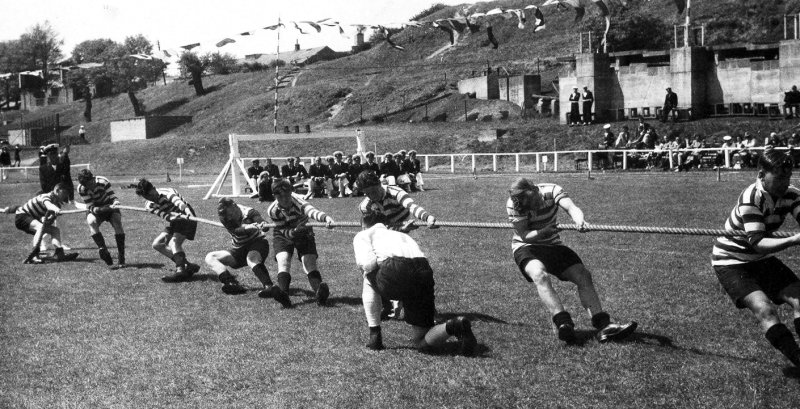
{"x":394,"y":267}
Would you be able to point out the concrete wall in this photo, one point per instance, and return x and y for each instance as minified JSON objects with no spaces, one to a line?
{"x":692,"y":73}
{"x":484,"y":87}
{"x":145,"y":127}
{"x":518,"y":88}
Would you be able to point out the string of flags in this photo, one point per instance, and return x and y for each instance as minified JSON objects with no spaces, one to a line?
{"x":454,"y":27}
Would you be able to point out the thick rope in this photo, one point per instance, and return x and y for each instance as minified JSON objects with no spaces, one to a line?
{"x":689,"y":231}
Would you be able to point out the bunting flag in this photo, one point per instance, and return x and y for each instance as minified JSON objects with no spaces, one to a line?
{"x":225,"y":41}
{"x":448,"y":28}
{"x":490,"y":34}
{"x":274,"y":26}
{"x":141,"y":56}
{"x":538,"y":18}
{"x":310,"y":23}
{"x":190,"y":46}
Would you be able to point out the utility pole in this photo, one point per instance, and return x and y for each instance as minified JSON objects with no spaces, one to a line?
{"x":277,"y":56}
{"x":688,"y":22}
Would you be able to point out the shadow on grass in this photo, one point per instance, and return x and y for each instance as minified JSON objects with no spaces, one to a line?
{"x":141,"y":266}
{"x":450,"y":348}
{"x":662,"y":341}
{"x":168,"y":107}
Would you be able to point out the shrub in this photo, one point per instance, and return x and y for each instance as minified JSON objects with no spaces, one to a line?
{"x":428,"y":11}
{"x":222,"y":64}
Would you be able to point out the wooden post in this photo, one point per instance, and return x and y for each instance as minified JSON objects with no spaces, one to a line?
{"x":452,"y":163}
{"x":516,"y":165}
{"x":426,"y":163}
{"x":473,"y":163}
{"x":465,"y":110}
{"x":494,"y":163}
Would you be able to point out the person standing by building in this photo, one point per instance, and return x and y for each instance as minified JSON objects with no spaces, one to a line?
{"x":17,"y":159}
{"x":574,"y":107}
{"x":670,"y":103}
{"x":588,"y":100}
{"x":82,"y":133}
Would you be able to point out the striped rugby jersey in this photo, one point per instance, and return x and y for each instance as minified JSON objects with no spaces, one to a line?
{"x":396,"y":205}
{"x":297,"y":214}
{"x":758,"y":214}
{"x":169,"y":201}
{"x":37,"y":207}
{"x":250,"y":217}
{"x":537,"y":219}
{"x":99,"y":196}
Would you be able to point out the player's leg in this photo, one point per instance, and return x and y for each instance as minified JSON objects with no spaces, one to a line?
{"x":320,"y":288}
{"x":160,"y":244}
{"x":119,"y":235}
{"x":791,"y":295}
{"x":94,"y":227}
{"x":256,"y":256}
{"x":420,"y":182}
{"x":183,"y":272}
{"x":35,"y":228}
{"x":219,"y":261}
{"x":774,"y":330}
{"x":607,"y":331}
{"x":55,"y":233}
{"x":284,"y":261}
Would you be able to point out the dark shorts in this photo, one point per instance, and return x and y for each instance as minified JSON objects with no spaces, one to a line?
{"x":769,"y":275}
{"x":556,"y":258}
{"x":186,"y":228}
{"x":409,"y":280}
{"x":23,"y":222}
{"x":240,"y":253}
{"x":304,"y":246}
{"x":106,"y":216}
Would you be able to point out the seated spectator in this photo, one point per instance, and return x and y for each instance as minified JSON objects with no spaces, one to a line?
{"x":415,"y":171}
{"x":774,"y":140}
{"x":606,"y":160}
{"x":253,"y":171}
{"x":623,"y":138}
{"x":727,"y":145}
{"x":749,"y":155}
{"x":319,"y":181}
{"x":269,"y":174}
{"x":370,"y":164}
{"x":389,"y":171}
{"x":339,"y":174}
{"x":353,"y":170}
{"x":403,"y":178}
{"x":694,"y":155}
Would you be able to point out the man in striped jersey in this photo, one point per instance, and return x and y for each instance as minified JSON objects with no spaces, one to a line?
{"x":746,"y":266}
{"x":392,"y":201}
{"x":36,"y":217}
{"x":394,"y":267}
{"x":291,"y":213}
{"x":100,"y":199}
{"x":249,"y":247}
{"x":539,"y":254}
{"x":169,"y":205}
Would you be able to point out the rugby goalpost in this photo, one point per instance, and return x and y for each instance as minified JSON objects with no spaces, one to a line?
{"x":236,"y":169}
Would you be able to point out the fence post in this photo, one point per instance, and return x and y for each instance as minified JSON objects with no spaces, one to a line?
{"x":670,"y":159}
{"x":624,"y":161}
{"x":494,"y":163}
{"x":538,"y":161}
{"x":426,"y":163}
{"x":589,"y":156}
{"x":452,"y":163}
{"x":555,"y":161}
{"x":473,"y":162}
{"x":516,"y":164}
{"x":727,"y":158}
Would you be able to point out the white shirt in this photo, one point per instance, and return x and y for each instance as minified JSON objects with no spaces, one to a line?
{"x":376,"y":244}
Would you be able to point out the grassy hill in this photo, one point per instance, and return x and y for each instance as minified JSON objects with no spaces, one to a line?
{"x":384,"y":83}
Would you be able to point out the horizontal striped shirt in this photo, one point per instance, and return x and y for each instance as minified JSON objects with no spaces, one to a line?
{"x":250,"y":219}
{"x":98,"y":196}
{"x":297,"y":214}
{"x":38,"y":206}
{"x":758,"y":214}
{"x":396,"y":205}
{"x":169,"y":201}
{"x":540,"y":218}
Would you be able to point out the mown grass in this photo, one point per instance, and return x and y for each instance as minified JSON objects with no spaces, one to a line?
{"x":79,"y":335}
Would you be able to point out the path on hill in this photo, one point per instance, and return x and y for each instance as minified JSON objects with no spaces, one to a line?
{"x":440,"y":51}
{"x":294,"y":81}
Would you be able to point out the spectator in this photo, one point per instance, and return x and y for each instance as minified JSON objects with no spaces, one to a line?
{"x":288,"y":171}
{"x":574,"y":108}
{"x":371,"y":164}
{"x":319,"y":181}
{"x":403,"y":179}
{"x":415,"y":172}
{"x":749,"y":155}
{"x":5,"y":158}
{"x":353,"y":169}
{"x":657,"y":159}
{"x":254,"y":170}
{"x":791,"y":102}
{"x":693,"y":159}
{"x":55,"y":170}
{"x":389,"y":170}
{"x":82,"y":134}
{"x":269,"y":174}
{"x":727,"y":145}
{"x":623,"y":139}
{"x":301,"y":172}
{"x":339,"y":174}
{"x":588,"y":100}
{"x":606,"y":161}
{"x":670,"y":103}
{"x":17,"y":160}
{"x":794,"y":148}
{"x":774,"y":140}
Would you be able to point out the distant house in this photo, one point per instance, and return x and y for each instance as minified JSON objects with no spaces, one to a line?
{"x":35,"y":92}
{"x":296,"y":57}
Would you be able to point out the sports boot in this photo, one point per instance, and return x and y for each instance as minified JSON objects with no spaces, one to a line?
{"x":616,"y":332}
{"x":105,"y":256}
{"x":181,"y":274}
{"x":462,"y":329}
{"x":279,"y":295}
{"x":60,"y":256}
{"x":322,"y":294}
{"x":230,"y":285}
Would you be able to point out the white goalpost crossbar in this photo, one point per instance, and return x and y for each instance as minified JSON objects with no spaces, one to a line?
{"x":235,"y":165}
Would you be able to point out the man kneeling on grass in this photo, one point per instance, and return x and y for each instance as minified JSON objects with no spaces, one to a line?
{"x":249,"y":248}
{"x":539,"y":254}
{"x":394,"y":267}
{"x":37,"y":216}
{"x":746,"y":266}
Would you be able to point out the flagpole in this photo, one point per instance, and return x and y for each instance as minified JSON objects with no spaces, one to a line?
{"x":688,"y":21}
{"x":277,"y":56}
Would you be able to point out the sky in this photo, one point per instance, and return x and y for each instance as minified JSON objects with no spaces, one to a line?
{"x":174,"y":23}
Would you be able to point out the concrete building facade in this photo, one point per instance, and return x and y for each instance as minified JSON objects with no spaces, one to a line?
{"x":708,"y":80}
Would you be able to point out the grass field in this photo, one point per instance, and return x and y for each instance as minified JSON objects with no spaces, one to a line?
{"x":80,"y":335}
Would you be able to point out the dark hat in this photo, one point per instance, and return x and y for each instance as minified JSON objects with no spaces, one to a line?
{"x":52,"y":148}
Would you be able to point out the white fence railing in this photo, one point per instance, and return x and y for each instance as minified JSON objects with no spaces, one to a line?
{"x":25,"y":172}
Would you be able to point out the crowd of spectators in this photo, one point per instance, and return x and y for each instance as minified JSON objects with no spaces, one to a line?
{"x":649,"y":151}
{"x":335,"y":175}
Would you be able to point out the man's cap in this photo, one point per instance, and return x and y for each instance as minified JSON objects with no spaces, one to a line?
{"x":607,"y":126}
{"x":369,"y":154}
{"x":585,"y":87}
{"x":574,"y":87}
{"x":81,"y":126}
{"x":338,"y":153}
{"x":387,"y":154}
{"x":726,"y":138}
{"x":53,"y":147}
{"x":255,"y":161}
{"x":773,"y":134}
{"x":329,"y":158}
{"x":412,"y":151}
{"x":354,"y":157}
{"x":669,"y":89}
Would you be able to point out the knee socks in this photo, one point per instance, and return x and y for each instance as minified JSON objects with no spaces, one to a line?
{"x":782,"y":339}
{"x":284,"y":279}
{"x":314,"y":279}
{"x":99,"y":240}
{"x":601,"y":320}
{"x":260,"y":270}
{"x":179,"y":258}
{"x":120,"y":238}
{"x":562,"y":318}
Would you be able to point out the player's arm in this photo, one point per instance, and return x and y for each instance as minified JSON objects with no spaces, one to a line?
{"x":530,"y":236}
{"x":181,"y":205}
{"x":756,"y":231}
{"x":318,"y":215}
{"x":574,"y":211}
{"x":418,"y":211}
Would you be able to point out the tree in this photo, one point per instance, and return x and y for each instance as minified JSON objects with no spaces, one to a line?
{"x":11,"y":61}
{"x":91,"y":50}
{"x":41,"y":47}
{"x":138,"y":44}
{"x":195,"y":66}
